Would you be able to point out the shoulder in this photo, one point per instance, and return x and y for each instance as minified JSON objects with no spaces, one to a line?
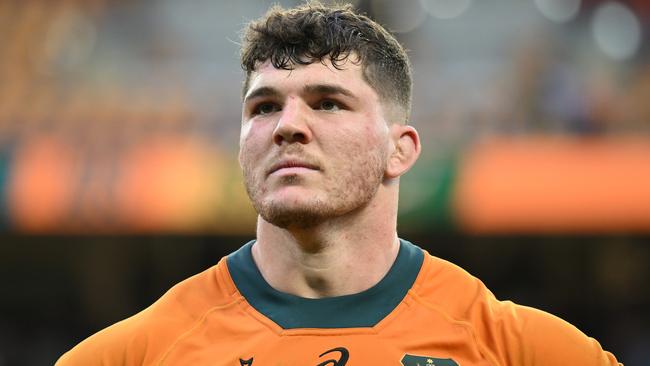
{"x":545,"y":339}
{"x":448,"y":288}
{"x":506,"y":332}
{"x":145,"y":336}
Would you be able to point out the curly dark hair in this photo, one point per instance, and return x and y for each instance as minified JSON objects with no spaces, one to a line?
{"x":315,"y":32}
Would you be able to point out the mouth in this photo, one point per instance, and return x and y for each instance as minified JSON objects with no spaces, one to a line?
{"x":292,"y":165}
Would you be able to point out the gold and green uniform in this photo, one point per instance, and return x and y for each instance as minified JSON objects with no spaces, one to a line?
{"x":425,"y":311}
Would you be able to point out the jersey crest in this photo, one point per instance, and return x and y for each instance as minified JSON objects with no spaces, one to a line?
{"x":413,"y":360}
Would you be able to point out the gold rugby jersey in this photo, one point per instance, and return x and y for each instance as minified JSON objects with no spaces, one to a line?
{"x":425,"y":311}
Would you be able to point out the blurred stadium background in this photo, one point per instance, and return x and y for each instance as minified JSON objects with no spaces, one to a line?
{"x":119,"y":125}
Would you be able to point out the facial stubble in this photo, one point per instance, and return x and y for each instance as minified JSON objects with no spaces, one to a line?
{"x":349,"y":187}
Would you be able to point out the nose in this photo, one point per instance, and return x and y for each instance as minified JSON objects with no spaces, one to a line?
{"x":293,"y":126}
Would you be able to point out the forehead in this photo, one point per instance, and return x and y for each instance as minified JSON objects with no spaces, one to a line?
{"x":348,"y":74}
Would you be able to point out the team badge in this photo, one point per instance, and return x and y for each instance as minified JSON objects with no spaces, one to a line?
{"x":412,"y":360}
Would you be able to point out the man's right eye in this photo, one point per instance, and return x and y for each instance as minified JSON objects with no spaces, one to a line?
{"x":266,"y":108}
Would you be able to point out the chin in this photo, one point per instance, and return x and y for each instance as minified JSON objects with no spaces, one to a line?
{"x":301,"y":215}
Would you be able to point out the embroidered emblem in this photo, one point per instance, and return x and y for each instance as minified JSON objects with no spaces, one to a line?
{"x":413,"y":360}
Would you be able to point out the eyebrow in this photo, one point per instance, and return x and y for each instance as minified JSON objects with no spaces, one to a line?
{"x":265,"y":91}
{"x":326,"y":89}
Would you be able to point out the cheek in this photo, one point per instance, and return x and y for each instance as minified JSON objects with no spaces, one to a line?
{"x":355,"y":145}
{"x":372,"y":138}
{"x":252,"y":141}
{"x":244,"y":132}
{"x":248,"y":133}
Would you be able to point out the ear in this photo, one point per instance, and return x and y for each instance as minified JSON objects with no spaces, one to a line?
{"x":406,"y":150}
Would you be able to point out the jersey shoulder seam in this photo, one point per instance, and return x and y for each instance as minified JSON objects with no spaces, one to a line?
{"x":195,"y":326}
{"x":483,"y":349}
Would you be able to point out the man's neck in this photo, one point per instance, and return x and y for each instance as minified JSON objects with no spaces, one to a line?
{"x":330,"y":259}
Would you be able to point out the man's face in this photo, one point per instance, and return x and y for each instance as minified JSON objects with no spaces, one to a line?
{"x":314,"y":143}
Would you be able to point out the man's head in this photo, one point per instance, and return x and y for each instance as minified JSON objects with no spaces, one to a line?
{"x":314,"y":32}
{"x":319,"y":139}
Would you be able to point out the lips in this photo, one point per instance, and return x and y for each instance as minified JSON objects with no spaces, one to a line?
{"x":291,"y":163}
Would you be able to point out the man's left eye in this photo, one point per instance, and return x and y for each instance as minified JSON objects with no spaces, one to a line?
{"x":329,"y":105}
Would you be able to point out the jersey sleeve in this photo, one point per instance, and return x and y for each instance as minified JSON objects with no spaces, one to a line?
{"x":144,"y":338}
{"x":119,"y":344}
{"x":541,"y":339}
{"x":139,"y":340}
{"x":506,"y":333}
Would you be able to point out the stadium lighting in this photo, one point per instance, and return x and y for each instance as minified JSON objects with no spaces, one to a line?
{"x":446,"y":9}
{"x":399,"y":17}
{"x":559,"y":11}
{"x":616,"y":30}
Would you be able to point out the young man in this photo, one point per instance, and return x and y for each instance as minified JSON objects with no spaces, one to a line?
{"x":324,"y":141}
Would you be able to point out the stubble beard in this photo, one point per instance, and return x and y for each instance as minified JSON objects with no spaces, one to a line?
{"x":347,"y":190}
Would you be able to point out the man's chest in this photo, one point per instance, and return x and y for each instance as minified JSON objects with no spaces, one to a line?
{"x":453,"y":346}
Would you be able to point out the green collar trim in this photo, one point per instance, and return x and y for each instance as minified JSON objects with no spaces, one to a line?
{"x":364,"y":309}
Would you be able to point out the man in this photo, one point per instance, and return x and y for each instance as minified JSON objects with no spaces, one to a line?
{"x":324,"y":141}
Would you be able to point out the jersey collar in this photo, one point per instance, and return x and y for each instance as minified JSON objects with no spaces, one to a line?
{"x":364,"y":309}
